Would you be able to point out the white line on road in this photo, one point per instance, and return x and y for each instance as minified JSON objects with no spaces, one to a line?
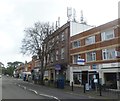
{"x":49,"y":96}
{"x":45,"y":95}
{"x":33,"y":91}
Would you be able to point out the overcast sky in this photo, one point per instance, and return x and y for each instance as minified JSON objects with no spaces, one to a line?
{"x":16,"y":15}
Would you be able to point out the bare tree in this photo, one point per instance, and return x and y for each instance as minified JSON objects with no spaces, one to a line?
{"x":36,"y":42}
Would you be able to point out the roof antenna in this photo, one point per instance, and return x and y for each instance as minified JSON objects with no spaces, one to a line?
{"x":82,"y":18}
{"x":74,"y":15}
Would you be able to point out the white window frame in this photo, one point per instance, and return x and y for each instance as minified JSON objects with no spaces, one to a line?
{"x":90,"y":40}
{"x":107,"y":52}
{"x":63,"y":36}
{"x":78,"y":57}
{"x":57,"y":55}
{"x":62,"y":53}
{"x":104,"y":34}
{"x":52,"y":57}
{"x":77,"y":42}
{"x":93,"y":56}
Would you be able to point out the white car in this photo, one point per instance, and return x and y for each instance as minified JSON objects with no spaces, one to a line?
{"x":7,"y":75}
{"x":0,"y":76}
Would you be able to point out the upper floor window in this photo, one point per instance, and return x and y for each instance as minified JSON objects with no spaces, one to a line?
{"x":62,"y":53}
{"x":62,"y":36}
{"x":57,"y":39}
{"x":108,"y":53}
{"x":107,"y":35}
{"x":51,"y":57}
{"x":48,"y":58}
{"x":90,"y":40}
{"x":76,"y":44}
{"x":53,"y":40}
{"x":57,"y":54}
{"x":75,"y":58}
{"x":91,"y":56}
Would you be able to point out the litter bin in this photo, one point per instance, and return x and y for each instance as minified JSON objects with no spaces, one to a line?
{"x":61,"y":83}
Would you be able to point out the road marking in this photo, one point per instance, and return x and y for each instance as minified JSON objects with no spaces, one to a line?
{"x":33,"y":91}
{"x":45,"y":95}
{"x":49,"y":96}
{"x":24,"y":87}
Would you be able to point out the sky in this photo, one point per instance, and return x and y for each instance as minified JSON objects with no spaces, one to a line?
{"x":16,"y":15}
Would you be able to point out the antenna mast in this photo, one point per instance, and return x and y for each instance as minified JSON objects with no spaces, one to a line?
{"x":74,"y":15}
{"x":82,"y":18}
{"x":69,"y":13}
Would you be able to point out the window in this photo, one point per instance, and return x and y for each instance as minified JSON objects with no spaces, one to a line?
{"x":53,"y":40}
{"x":91,"y":56}
{"x":62,"y":53}
{"x":57,"y":39}
{"x":107,"y":35}
{"x":52,"y":57}
{"x":90,"y":40}
{"x":108,"y":54}
{"x":63,"y":36}
{"x":48,"y":58}
{"x":50,"y":44}
{"x":76,"y":44}
{"x":75,"y":58}
{"x":56,"y":54}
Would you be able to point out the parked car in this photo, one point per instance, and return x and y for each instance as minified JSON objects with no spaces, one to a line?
{"x":0,"y":76}
{"x":7,"y":75}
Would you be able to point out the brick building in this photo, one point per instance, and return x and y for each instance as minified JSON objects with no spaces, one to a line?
{"x":58,"y":59}
{"x":100,"y":48}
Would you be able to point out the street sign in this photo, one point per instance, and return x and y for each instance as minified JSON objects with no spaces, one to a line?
{"x":57,"y":67}
{"x":80,"y":61}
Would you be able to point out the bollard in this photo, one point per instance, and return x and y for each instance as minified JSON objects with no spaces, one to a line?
{"x":100,"y":89}
{"x":84,"y":88}
{"x":72,"y":86}
{"x":118,"y":95}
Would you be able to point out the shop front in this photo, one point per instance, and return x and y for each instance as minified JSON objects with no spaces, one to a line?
{"x":81,"y":75}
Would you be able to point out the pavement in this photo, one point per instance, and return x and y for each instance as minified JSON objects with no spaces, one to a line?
{"x":93,"y":94}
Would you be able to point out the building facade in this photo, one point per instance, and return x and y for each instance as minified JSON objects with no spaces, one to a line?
{"x":95,"y":56}
{"x":58,"y":59}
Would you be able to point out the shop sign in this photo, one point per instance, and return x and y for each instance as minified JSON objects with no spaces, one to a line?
{"x":80,"y":61}
{"x":95,"y":80}
{"x":57,"y":67}
{"x":87,"y":86}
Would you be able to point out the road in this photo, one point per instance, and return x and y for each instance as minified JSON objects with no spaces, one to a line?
{"x":12,"y":91}
{"x":17,"y":89}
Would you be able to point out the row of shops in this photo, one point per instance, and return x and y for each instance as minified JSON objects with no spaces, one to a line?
{"x":105,"y":74}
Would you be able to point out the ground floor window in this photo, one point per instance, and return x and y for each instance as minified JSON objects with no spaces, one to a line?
{"x":110,"y":80}
{"x":77,"y":78}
